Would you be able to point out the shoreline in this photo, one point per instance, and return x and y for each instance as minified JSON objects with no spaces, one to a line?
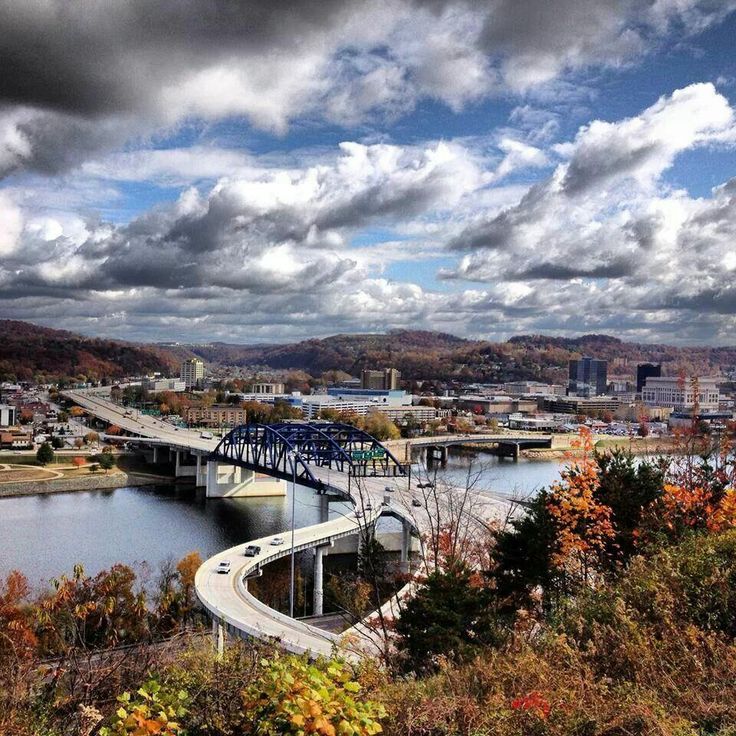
{"x":119,"y":479}
{"x":639,"y":449}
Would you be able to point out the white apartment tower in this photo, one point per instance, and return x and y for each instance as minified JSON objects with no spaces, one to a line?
{"x":192,"y":373}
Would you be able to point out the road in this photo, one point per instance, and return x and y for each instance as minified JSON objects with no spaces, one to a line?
{"x":226,"y":596}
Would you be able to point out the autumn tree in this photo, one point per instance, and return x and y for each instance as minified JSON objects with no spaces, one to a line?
{"x":78,"y":462}
{"x":17,"y":647}
{"x":583,"y":525}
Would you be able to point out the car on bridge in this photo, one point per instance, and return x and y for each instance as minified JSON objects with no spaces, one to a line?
{"x":277,"y":541}
{"x":223,"y":567}
{"x":252,"y":550}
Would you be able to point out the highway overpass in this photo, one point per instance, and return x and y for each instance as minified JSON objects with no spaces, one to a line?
{"x":335,"y":460}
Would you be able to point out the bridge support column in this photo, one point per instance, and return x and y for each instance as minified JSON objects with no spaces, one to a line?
{"x":324,"y":507}
{"x":180,"y":469}
{"x":155,"y":454}
{"x":319,"y":596}
{"x":405,"y":545}
{"x":218,"y":636}
{"x":231,"y":481}
{"x":201,"y":472}
{"x":437,"y":453}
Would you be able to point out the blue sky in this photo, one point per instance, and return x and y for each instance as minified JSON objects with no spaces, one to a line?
{"x":293,"y":170}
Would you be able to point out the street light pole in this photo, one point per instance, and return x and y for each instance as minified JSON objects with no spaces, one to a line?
{"x":294,"y":456}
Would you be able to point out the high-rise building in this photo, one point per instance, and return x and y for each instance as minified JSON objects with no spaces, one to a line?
{"x":385,"y":380}
{"x":192,"y":373}
{"x":644,"y":371}
{"x":588,"y":377}
{"x":391,"y":379}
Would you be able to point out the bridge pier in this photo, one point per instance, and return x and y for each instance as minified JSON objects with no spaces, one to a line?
{"x":437,"y":453}
{"x":218,"y":636}
{"x":405,"y":545}
{"x":155,"y":454}
{"x":232,"y":481}
{"x":319,"y":595}
{"x":180,"y":469}
{"x":324,"y":507}
{"x":201,"y":472}
{"x":509,"y":449}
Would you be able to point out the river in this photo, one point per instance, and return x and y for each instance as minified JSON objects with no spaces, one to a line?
{"x":44,"y":536}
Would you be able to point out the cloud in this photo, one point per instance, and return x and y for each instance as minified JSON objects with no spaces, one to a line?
{"x":269,"y":231}
{"x":79,"y":78}
{"x":11,"y":225}
{"x":597,"y":214}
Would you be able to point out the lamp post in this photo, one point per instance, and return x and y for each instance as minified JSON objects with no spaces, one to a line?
{"x":293,"y":456}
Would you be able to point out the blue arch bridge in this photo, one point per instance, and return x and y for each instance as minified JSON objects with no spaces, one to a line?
{"x":324,"y":456}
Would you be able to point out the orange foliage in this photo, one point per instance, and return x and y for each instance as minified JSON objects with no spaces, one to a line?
{"x":584,"y":526}
{"x":533,"y":703}
{"x":79,"y":461}
{"x":697,"y":508}
{"x":16,"y":634}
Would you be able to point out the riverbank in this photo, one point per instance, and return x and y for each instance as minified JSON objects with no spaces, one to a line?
{"x":88,"y":482}
{"x":635,"y":445}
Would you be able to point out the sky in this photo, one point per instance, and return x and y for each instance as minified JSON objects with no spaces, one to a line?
{"x":275,"y":170}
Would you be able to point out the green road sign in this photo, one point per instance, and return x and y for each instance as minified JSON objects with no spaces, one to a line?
{"x":364,"y":455}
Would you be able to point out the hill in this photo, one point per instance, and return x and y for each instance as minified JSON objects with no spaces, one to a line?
{"x":414,"y":352}
{"x":29,"y":352}
{"x":423,"y":355}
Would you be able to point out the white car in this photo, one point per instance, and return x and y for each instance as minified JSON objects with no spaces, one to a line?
{"x":223,"y":567}
{"x":277,"y":541}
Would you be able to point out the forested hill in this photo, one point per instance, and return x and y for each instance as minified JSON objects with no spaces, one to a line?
{"x":412,"y":350}
{"x":29,"y":352}
{"x":431,"y":355}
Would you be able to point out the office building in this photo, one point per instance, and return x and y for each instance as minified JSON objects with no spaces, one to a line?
{"x":679,"y":393}
{"x":580,"y":405}
{"x":267,"y":388}
{"x":644,"y":371}
{"x":521,"y":388}
{"x":588,"y":377}
{"x":384,"y":380}
{"x":192,"y":373}
{"x":218,"y":415}
{"x":8,"y":415}
{"x":163,"y":384}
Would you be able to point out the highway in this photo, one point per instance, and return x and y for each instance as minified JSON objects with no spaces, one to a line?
{"x":226,"y":596}
{"x":136,"y":423}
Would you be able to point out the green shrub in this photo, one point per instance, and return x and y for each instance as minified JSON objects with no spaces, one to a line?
{"x":294,"y":696}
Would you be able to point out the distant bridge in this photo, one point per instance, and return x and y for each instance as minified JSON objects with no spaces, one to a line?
{"x":507,"y":444}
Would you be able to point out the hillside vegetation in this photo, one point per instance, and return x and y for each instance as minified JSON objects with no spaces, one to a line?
{"x":432,"y":355}
{"x":29,"y":352}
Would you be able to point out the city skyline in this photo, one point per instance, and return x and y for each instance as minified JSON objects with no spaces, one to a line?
{"x":306,"y":169}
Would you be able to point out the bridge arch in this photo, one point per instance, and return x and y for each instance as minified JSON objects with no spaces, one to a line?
{"x":287,"y":449}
